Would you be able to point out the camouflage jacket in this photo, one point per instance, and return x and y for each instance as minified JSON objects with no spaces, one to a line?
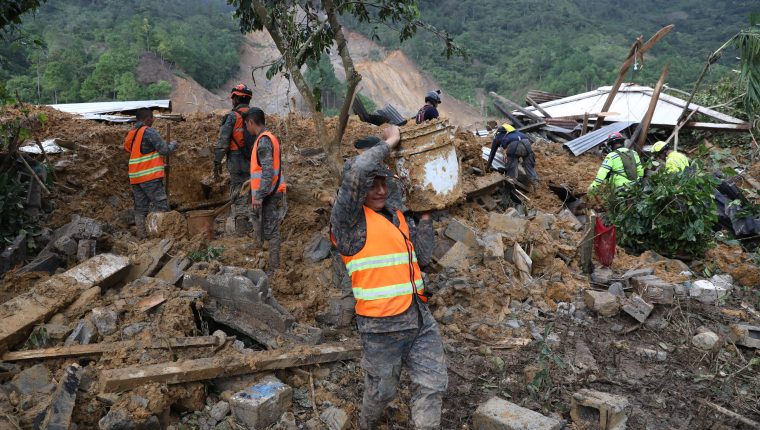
{"x":225,"y":134}
{"x":349,"y":228}
{"x":152,"y":141}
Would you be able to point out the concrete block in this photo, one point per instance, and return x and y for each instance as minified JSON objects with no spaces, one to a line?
{"x":85,"y":249}
{"x":636,"y":307}
{"x":499,"y":414}
{"x":261,"y":405}
{"x":653,"y":289}
{"x":13,"y":254}
{"x":602,"y":302}
{"x":456,"y":257}
{"x":745,"y":335}
{"x":46,"y":261}
{"x":707,"y":292}
{"x":66,"y":246}
{"x":602,"y":410}
{"x":335,"y":419}
{"x":510,"y":225}
{"x":460,"y":232}
{"x":494,"y":246}
{"x":633,"y":273}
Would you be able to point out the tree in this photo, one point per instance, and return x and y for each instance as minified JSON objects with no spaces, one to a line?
{"x":11,"y":11}
{"x":303,"y":31}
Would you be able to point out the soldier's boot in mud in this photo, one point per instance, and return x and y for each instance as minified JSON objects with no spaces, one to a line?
{"x":140,"y":226}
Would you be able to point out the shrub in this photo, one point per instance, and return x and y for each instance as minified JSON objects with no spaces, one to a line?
{"x":13,"y":219}
{"x":670,"y":213}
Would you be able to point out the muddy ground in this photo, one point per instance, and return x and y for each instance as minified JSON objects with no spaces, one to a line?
{"x":478,"y":304}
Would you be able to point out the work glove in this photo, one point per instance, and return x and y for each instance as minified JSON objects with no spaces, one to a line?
{"x":173,"y":145}
{"x":217,"y":171}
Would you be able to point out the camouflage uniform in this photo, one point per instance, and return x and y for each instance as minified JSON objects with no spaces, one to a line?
{"x":274,"y":205}
{"x":237,"y":166}
{"x":152,"y":191}
{"x":411,"y":339}
{"x":521,"y":150}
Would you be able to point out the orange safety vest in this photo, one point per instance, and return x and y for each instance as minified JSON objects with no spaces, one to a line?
{"x":238,"y":137}
{"x":385,"y":274}
{"x":279,"y":177}
{"x":142,"y":167}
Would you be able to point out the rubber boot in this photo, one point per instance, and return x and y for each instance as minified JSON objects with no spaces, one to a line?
{"x":140,"y":226}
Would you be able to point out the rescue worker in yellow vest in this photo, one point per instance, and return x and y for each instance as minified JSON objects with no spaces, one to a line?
{"x":674,"y":161}
{"x":146,"y":167}
{"x":383,"y":250}
{"x":231,"y":143}
{"x":267,"y":184}
{"x":620,"y":167}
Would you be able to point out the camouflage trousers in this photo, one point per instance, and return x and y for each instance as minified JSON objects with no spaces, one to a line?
{"x":420,"y":350}
{"x":273,"y":211}
{"x":518,"y":151}
{"x":147,"y":194}
{"x":241,"y":205}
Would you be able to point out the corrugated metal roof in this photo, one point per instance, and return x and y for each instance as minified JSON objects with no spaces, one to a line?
{"x":584,"y":143}
{"x":93,"y":110}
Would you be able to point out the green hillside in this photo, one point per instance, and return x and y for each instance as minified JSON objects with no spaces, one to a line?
{"x":90,"y":48}
{"x":568,"y":46}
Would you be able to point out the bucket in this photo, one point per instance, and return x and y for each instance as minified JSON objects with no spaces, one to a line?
{"x":428,"y":165}
{"x":201,"y":222}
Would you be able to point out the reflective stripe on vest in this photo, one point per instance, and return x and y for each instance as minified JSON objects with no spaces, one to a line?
{"x":142,"y":167}
{"x":384,"y":273}
{"x":256,"y":170}
{"x":237,"y":140}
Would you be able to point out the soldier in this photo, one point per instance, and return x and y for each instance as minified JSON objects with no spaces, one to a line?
{"x":231,"y":142}
{"x":383,"y":250}
{"x":267,"y":184}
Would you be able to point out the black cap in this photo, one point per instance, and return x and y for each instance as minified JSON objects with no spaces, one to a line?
{"x":366,"y":142}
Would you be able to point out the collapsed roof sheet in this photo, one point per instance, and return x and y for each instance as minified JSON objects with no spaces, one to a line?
{"x":630,"y":104}
{"x":587,"y":141}
{"x":97,"y":110}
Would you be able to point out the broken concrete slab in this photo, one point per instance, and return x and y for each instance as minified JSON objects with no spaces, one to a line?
{"x":636,"y":307}
{"x":707,"y":292}
{"x":147,"y":259}
{"x":499,"y":414}
{"x":49,"y":296}
{"x":456,"y":257}
{"x":66,"y":245}
{"x":460,"y":232}
{"x":83,"y":303}
{"x":174,"y":269}
{"x":493,"y":244}
{"x":262,"y":405}
{"x":58,"y":416}
{"x":616,"y":289}
{"x":603,"y":276}
{"x":602,"y":410}
{"x":653,"y":289}
{"x":745,"y":335}
{"x":335,"y":419}
{"x":46,"y":261}
{"x":602,"y":302}
{"x":512,"y":226}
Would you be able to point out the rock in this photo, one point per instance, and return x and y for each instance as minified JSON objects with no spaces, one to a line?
{"x":219,"y":411}
{"x":616,"y":289}
{"x":633,"y":273}
{"x":723,"y":281}
{"x":705,"y":341}
{"x":14,"y":253}
{"x":512,"y":226}
{"x":339,"y":313}
{"x":494,"y":246}
{"x":86,"y":249}
{"x":583,"y":359}
{"x":636,"y":307}
{"x":83,"y":303}
{"x":651,"y":354}
{"x":32,"y":380}
{"x":600,"y":410}
{"x":317,"y":249}
{"x":335,"y":419}
{"x":512,"y":324}
{"x":66,"y":246}
{"x":119,"y":419}
{"x":46,"y":261}
{"x":653,"y":289}
{"x":133,"y":329}
{"x":745,"y":335}
{"x":602,"y":302}
{"x":545,"y":220}
{"x":602,"y":275}
{"x":262,"y":405}
{"x":499,"y":414}
{"x":571,"y":219}
{"x":287,"y":422}
{"x":456,"y":257}
{"x":82,"y":334}
{"x":707,"y":292}
{"x":104,"y":320}
{"x":460,"y":232}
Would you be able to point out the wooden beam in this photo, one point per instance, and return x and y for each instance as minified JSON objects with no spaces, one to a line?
{"x":114,"y":380}
{"x":19,"y":315}
{"x":635,"y":51}
{"x":515,"y":121}
{"x":537,"y":106}
{"x":99,"y":348}
{"x":58,"y":416}
{"x":509,"y":102}
{"x":644,"y":126}
{"x":584,"y":129}
{"x":586,"y":247}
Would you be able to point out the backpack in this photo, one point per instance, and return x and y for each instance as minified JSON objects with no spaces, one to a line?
{"x":248,"y":139}
{"x":629,"y":164}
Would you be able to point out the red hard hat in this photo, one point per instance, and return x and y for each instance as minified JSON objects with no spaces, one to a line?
{"x":615,"y":136}
{"x":241,"y":90}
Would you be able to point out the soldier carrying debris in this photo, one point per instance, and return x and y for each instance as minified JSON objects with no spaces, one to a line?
{"x":383,"y":250}
{"x":267,"y":184}
{"x":620,"y":167}
{"x":146,"y":167}
{"x":518,"y":149}
{"x":232,"y":142}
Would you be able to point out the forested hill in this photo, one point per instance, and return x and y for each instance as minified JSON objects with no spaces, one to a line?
{"x":567,"y":46}
{"x":90,"y":49}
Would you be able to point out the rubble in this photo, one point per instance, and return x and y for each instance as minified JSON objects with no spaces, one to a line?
{"x":705,"y":341}
{"x":499,"y":414}
{"x":262,"y":405}
{"x":707,"y":292}
{"x":335,"y":419}
{"x":512,"y":226}
{"x":607,"y":411}
{"x":602,"y":302}
{"x":745,"y":335}
{"x":637,"y":308}
{"x":458,"y":231}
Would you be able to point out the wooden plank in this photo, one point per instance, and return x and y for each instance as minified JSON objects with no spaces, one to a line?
{"x":515,"y":121}
{"x":58,"y":416}
{"x":586,"y":246}
{"x":114,"y":380}
{"x":643,"y":128}
{"x":584,"y":129}
{"x":20,"y":314}
{"x":509,"y":102}
{"x":635,"y":51}
{"x":99,"y":348}
{"x":537,"y":106}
